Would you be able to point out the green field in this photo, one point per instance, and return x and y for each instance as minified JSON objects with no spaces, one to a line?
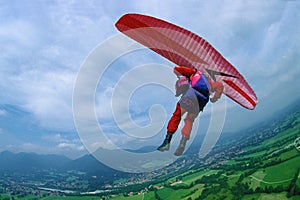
{"x":287,"y":155}
{"x":171,"y":194}
{"x":275,"y":196}
{"x":276,"y":175}
{"x":195,"y":176}
{"x":282,"y":171}
{"x":72,"y":198}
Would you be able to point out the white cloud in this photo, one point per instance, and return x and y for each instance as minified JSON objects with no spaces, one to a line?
{"x":71,"y":150}
{"x":50,"y":50}
{"x":103,"y":103}
{"x":104,"y":145}
{"x":60,"y":138}
{"x":18,"y":32}
{"x":3,"y":112}
{"x":66,"y":145}
{"x":54,"y":138}
{"x":71,"y":146}
{"x":48,"y":95}
{"x":30,"y":147}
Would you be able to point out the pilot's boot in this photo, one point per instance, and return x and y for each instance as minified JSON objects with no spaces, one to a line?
{"x":165,"y":146}
{"x":181,"y":147}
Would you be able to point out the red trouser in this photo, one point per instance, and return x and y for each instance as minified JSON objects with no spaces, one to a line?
{"x":176,"y":118}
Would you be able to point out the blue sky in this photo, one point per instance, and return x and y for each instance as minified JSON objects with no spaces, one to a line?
{"x":44,"y":43}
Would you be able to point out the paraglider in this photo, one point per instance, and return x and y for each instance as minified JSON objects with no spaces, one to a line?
{"x":197,"y":58}
{"x":195,"y":88}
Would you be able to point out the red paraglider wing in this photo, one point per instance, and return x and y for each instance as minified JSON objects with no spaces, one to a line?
{"x":187,"y":49}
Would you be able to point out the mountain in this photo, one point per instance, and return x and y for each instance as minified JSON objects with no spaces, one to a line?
{"x":145,"y":149}
{"x":30,"y":163}
{"x":27,"y":162}
{"x":92,"y":166}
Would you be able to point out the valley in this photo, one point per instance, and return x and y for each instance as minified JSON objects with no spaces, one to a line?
{"x":262,"y":163}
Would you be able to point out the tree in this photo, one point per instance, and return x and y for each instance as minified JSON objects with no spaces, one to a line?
{"x":156,"y":195}
{"x":292,"y":189}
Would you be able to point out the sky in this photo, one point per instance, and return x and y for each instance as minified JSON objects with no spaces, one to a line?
{"x":44,"y":44}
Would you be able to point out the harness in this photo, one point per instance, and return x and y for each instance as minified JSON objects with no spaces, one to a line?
{"x":199,"y":81}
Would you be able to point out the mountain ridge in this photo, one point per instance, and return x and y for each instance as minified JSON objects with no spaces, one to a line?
{"x":27,"y":163}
